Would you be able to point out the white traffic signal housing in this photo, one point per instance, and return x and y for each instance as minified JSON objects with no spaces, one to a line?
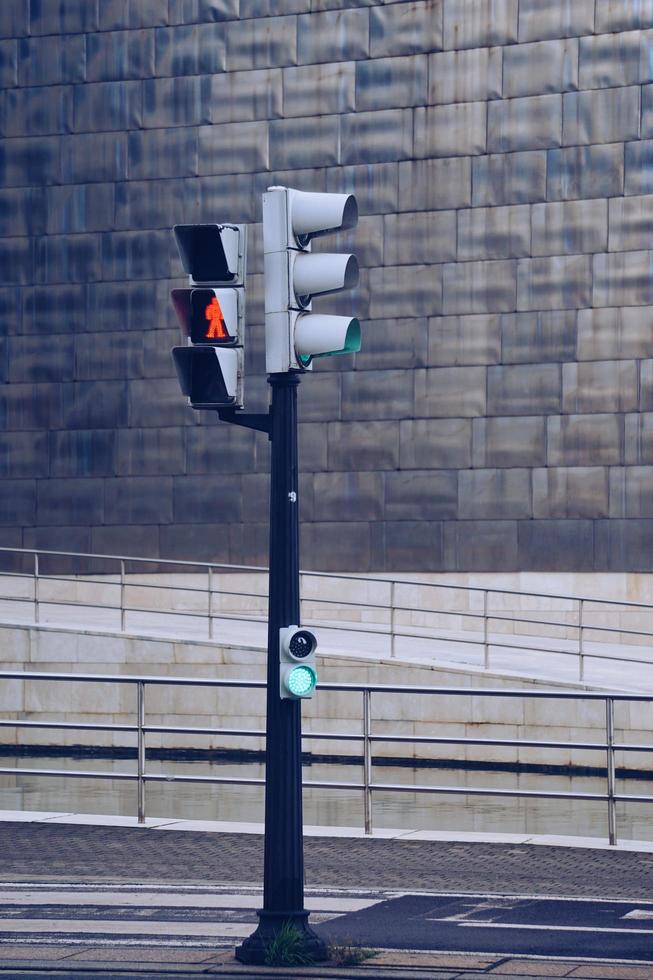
{"x":293,"y":275}
{"x":212,"y":320}
{"x":297,"y":670}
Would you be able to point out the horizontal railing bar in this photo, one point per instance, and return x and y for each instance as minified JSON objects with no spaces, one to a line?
{"x":332,"y":575}
{"x":320,"y":784}
{"x":65,"y":772}
{"x":551,"y":693}
{"x":68,"y":726}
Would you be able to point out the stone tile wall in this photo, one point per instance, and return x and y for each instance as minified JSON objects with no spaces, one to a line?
{"x":499,"y":414}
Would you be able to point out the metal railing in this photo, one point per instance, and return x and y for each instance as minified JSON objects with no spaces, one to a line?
{"x":490,"y":628}
{"x":367,"y":736}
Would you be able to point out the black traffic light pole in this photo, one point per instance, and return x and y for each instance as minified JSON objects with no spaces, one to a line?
{"x":283,"y":879}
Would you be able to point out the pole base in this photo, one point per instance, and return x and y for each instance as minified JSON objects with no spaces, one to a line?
{"x":255,"y":948}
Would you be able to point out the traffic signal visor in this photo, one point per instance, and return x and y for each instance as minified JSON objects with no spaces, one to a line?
{"x":211,"y":252}
{"x":208,"y":376}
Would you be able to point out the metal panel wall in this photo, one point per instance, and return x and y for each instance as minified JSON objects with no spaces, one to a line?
{"x":500,"y":414}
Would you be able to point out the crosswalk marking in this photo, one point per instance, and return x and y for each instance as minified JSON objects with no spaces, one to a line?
{"x":97,"y":915}
{"x":327,"y":903}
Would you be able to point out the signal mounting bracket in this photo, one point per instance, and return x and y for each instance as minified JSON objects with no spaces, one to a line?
{"x":261,"y":422}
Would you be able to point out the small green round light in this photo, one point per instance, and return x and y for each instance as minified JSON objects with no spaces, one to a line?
{"x":301,"y":681}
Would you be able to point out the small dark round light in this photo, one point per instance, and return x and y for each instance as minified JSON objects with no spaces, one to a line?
{"x":302,"y":644}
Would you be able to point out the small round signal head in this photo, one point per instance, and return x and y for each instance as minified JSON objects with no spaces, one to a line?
{"x":302,"y":644}
{"x":301,"y":680}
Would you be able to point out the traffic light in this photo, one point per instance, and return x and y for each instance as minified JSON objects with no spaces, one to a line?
{"x":211,"y":314}
{"x":297,"y":670}
{"x":294,"y":335}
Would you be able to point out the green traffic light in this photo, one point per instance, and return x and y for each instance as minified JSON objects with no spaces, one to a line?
{"x":301,"y":680}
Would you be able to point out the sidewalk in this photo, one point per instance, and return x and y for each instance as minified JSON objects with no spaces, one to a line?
{"x":119,"y":859}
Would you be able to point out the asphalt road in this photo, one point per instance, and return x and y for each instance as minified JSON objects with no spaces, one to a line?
{"x":498,"y":924}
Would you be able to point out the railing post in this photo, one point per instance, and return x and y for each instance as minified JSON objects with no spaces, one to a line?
{"x":581,"y":652}
{"x":122,"y":595}
{"x":367,"y":758}
{"x":36,"y":587}
{"x":392,"y":619}
{"x":486,"y":638}
{"x":210,"y":586}
{"x":140,"y":711}
{"x":611,"y":771}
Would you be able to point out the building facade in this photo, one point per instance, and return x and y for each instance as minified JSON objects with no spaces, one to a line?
{"x":500,"y":413}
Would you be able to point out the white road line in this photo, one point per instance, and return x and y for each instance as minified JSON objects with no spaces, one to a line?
{"x":639,"y":914}
{"x":225,"y":900}
{"x":144,"y":928}
{"x":514,"y":925}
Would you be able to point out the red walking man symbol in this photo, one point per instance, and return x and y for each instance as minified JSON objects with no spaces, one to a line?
{"x":217,"y":326}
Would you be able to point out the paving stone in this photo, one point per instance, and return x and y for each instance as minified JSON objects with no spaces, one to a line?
{"x":573,"y":227}
{"x":479,"y":23}
{"x":469,"y":75}
{"x":408,"y":28}
{"x":602,"y":116}
{"x":540,"y":68}
{"x":525,"y":124}
{"x":586,"y":172}
{"x":571,"y":18}
{"x":509,"y":178}
{"x":494,"y":233}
